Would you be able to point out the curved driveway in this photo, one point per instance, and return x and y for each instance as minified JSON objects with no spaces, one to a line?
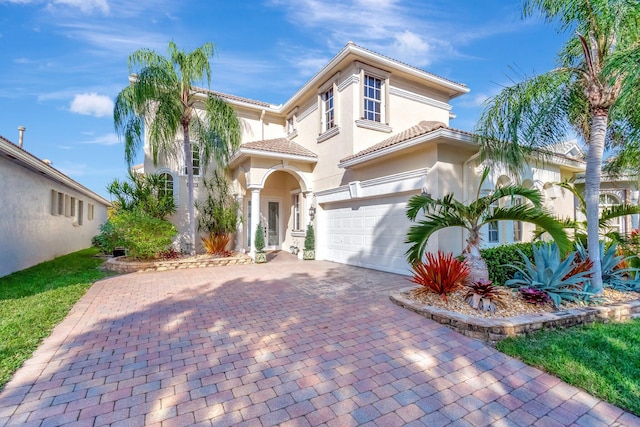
{"x":286,"y":343}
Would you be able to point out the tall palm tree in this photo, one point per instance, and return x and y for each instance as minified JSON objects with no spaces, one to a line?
{"x":449,"y":212}
{"x":595,"y":91}
{"x":162,"y":97}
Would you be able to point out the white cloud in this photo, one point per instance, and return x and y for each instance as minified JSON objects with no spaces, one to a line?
{"x":86,"y":6}
{"x":108,"y":139}
{"x":92,"y":104}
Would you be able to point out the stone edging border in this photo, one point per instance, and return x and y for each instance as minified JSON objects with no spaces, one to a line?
{"x":119,"y":266}
{"x":495,"y":329}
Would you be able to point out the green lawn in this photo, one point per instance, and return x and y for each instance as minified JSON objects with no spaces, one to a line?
{"x":34,"y":300}
{"x":602,"y":359}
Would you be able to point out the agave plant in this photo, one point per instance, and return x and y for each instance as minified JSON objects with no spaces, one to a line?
{"x":441,"y":274}
{"x":534,"y":296}
{"x":550,"y":274}
{"x":485,"y":296}
{"x":614,"y":274}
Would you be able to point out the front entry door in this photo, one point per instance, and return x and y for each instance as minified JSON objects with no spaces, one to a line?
{"x":273,"y":224}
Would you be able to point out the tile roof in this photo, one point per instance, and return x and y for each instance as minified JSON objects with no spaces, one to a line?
{"x":421,"y":128}
{"x":279,"y":145}
{"x":234,"y":97}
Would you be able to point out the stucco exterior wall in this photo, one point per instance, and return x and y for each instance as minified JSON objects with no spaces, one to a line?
{"x":29,"y":232}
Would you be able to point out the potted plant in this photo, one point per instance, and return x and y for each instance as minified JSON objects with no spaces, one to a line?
{"x":260,"y":255}
{"x":309,"y":251}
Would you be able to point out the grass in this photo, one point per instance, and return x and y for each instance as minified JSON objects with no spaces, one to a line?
{"x":34,"y":300}
{"x":602,"y":359}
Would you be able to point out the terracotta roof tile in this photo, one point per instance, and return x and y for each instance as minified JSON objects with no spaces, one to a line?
{"x":234,"y":97}
{"x":279,"y":145}
{"x":421,"y":128}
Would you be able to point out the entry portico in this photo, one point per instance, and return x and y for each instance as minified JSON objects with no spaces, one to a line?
{"x":272,"y":179}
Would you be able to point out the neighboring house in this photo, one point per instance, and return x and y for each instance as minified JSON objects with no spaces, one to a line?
{"x":347,"y":151}
{"x":44,"y":213}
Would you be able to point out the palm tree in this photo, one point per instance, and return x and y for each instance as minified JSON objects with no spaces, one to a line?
{"x":449,"y":212}
{"x":595,"y":91}
{"x":162,"y":97}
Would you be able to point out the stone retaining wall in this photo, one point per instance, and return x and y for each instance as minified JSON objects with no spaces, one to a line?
{"x":495,"y":329}
{"x":118,"y":265}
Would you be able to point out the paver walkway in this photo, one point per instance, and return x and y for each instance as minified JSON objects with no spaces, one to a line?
{"x":286,"y":343}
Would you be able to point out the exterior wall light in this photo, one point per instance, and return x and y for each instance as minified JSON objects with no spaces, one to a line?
{"x":312,"y":212}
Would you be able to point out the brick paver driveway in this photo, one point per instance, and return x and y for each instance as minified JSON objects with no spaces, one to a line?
{"x":285,"y":343}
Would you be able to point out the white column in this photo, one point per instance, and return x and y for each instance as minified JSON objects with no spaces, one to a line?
{"x":239,"y":228}
{"x":255,"y":217}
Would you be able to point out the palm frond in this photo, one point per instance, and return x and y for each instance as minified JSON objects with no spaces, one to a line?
{"x":419,"y":234}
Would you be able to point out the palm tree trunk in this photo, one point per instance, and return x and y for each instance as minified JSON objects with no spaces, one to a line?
{"x":592,"y":194}
{"x":477,"y":265}
{"x":188,"y":155}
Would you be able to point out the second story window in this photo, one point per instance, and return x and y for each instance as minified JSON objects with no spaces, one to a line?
{"x":328,"y":110}
{"x":372,"y":98}
{"x":195,"y":153}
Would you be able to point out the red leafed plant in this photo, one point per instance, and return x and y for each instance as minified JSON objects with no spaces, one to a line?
{"x":441,"y":273}
{"x":579,"y":266}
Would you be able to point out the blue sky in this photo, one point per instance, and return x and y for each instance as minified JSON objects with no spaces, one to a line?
{"x":62,"y":62}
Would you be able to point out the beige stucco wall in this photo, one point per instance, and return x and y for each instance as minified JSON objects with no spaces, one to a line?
{"x":29,"y":233}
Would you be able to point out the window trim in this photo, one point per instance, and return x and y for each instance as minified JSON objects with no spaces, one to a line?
{"x":367,"y":70}
{"x":195,"y":148}
{"x":173,"y":177}
{"x":324,"y":131}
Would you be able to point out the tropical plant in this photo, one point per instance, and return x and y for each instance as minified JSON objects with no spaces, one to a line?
{"x":534,"y":296}
{"x":441,"y":273}
{"x":449,"y":212}
{"x":550,"y":274}
{"x":142,"y":192}
{"x":484,"y":296}
{"x":594,"y":91}
{"x":218,"y":214}
{"x":162,"y":97}
{"x":607,"y":215}
{"x":615,"y":274}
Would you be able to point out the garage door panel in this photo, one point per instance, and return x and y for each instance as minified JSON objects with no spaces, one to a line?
{"x":368,"y":233}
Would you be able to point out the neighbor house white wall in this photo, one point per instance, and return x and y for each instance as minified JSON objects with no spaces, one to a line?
{"x":29,"y":232}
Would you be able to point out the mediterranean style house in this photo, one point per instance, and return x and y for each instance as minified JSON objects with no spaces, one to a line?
{"x":48,"y":214}
{"x":347,"y":151}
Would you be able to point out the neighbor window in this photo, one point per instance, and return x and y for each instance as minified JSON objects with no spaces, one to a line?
{"x":328,"y":110}
{"x":80,"y":212}
{"x":90,"y":211}
{"x":60,"y":203}
{"x":67,"y":205}
{"x":372,"y":98}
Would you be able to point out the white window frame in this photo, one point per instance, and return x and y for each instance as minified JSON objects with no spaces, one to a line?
{"x":607,"y":200}
{"x":196,"y":157}
{"x":174,"y":187}
{"x":327,"y":101}
{"x":367,"y":71}
{"x":493,"y":228}
{"x":296,"y":211}
{"x":329,"y":128}
{"x":372,"y":97}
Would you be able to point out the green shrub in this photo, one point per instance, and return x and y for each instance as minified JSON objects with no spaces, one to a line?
{"x":141,"y":235}
{"x":259,"y":239}
{"x":107,"y":240}
{"x":498,"y":258}
{"x":309,"y":239}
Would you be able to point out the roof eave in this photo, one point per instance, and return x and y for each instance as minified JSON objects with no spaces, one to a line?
{"x":31,"y":162}
{"x":457,"y":89}
{"x":413,"y":142}
{"x":248,"y":152}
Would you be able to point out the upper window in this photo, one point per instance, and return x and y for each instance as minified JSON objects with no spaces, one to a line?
{"x":372,"y":98}
{"x":328,"y":110}
{"x":195,"y":158}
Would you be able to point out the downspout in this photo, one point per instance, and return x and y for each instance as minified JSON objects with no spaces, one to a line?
{"x":262,"y":122}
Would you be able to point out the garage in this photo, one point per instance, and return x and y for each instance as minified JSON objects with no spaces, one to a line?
{"x":366,"y":233}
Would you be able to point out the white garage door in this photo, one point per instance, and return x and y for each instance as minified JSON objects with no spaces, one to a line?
{"x":367,"y":233}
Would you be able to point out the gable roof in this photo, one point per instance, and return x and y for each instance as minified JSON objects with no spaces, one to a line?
{"x":23,"y":158}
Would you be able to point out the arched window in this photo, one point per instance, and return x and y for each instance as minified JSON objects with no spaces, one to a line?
{"x":166,"y":186}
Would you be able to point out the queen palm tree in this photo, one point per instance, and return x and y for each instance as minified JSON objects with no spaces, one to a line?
{"x":594,"y":91}
{"x":163,"y":98}
{"x":449,"y":212}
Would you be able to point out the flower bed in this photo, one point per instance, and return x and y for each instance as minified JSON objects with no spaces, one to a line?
{"x":493,"y":329}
